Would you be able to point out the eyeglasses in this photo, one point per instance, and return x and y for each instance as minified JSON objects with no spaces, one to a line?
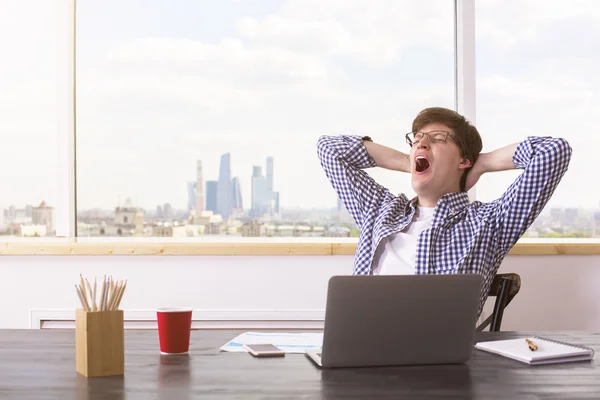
{"x":433,"y":136}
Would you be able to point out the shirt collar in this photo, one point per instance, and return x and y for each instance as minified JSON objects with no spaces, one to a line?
{"x":448,"y":204}
{"x":454,"y":202}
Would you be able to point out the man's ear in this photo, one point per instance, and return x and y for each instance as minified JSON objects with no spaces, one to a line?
{"x":465,"y":163}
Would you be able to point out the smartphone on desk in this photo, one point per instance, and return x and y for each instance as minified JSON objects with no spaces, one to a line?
{"x":264,"y":350}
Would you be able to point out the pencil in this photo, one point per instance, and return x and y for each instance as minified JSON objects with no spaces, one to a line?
{"x":113,"y":291}
{"x":90,"y":293}
{"x":80,"y":298}
{"x":94,"y":306}
{"x":121,"y":294}
{"x":82,"y":286}
{"x":85,"y":302}
{"x":104,"y":293}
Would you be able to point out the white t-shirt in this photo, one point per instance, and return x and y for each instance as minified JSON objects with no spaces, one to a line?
{"x":396,"y":253}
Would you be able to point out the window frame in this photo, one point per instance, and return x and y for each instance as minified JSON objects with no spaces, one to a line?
{"x":67,"y":242}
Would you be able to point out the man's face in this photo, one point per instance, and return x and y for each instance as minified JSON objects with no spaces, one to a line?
{"x":437,"y":166}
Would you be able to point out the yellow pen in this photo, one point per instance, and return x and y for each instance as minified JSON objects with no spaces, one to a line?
{"x":532,"y":346}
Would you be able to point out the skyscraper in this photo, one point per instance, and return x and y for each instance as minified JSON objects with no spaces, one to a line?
{"x":168,"y":212}
{"x":270,"y":176}
{"x":224,"y":187}
{"x":276,"y":200}
{"x":191,"y":192}
{"x":260,"y":198}
{"x":272,"y":197}
{"x":236,"y":195}
{"x":199,"y":188}
{"x":256,"y":173}
{"x":211,"y":196}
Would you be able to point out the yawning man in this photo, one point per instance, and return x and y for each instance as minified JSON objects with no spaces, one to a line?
{"x":440,"y":231}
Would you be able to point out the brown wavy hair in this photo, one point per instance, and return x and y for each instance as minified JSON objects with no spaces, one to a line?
{"x":467,"y":136}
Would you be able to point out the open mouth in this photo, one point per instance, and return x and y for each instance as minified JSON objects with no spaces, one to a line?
{"x":421,"y":164}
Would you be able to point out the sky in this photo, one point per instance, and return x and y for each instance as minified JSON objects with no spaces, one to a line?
{"x":162,"y":84}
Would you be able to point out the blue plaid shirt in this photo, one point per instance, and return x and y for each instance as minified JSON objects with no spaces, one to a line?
{"x":464,"y":237}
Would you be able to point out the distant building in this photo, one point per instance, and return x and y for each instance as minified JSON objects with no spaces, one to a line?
{"x":211,"y":196}
{"x":270,"y":176}
{"x":199,"y":188}
{"x":207,"y":218}
{"x":337,"y":231}
{"x":162,"y":229}
{"x":276,"y":203}
{"x":191,"y":194}
{"x":236,"y":196}
{"x":139,"y":223}
{"x":264,"y":199}
{"x":43,"y":215}
{"x":254,"y":229}
{"x":570,"y":216}
{"x":168,"y":212}
{"x":259,"y":191}
{"x":124,"y":221}
{"x":224,"y":187}
{"x":11,"y":213}
{"x":33,"y":230}
{"x":215,"y":229}
{"x":556,"y":215}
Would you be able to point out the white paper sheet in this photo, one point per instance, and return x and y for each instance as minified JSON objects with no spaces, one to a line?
{"x":288,"y":342}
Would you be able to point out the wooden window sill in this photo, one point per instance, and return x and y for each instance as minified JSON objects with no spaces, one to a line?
{"x":159,"y":246}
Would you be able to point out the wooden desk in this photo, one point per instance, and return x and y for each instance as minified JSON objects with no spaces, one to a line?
{"x":36,"y":364}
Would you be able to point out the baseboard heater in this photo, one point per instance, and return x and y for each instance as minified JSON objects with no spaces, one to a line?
{"x":201,"y":319}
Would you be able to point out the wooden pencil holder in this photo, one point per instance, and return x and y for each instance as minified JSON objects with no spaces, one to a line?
{"x":99,"y":343}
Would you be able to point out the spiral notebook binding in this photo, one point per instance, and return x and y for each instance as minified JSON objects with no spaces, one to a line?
{"x":565,"y":344}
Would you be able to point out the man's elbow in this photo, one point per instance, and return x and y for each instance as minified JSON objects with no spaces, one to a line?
{"x":325,"y":144}
{"x":563,"y":149}
{"x":324,"y":140}
{"x":566,"y":146}
{"x":324,"y":150}
{"x":559,"y":152}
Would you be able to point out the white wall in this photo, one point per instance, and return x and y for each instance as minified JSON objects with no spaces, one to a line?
{"x":558,"y":292}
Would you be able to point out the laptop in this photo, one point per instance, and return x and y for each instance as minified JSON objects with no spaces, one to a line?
{"x":390,"y":320}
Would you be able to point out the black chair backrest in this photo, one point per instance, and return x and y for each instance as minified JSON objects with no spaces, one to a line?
{"x":504,"y":287}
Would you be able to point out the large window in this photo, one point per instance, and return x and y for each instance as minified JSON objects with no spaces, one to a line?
{"x":537,"y":74}
{"x":29,"y":44}
{"x":200,"y":118}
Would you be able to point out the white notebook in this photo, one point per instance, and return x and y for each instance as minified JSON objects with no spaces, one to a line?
{"x":548,"y":352}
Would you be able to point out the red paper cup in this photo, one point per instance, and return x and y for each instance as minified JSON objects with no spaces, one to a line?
{"x":174,"y":326}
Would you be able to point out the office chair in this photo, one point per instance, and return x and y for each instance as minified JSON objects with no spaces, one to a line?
{"x":504,"y":287}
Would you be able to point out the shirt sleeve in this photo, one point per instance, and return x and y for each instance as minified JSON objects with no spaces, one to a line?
{"x":544,"y":160}
{"x":343,"y":158}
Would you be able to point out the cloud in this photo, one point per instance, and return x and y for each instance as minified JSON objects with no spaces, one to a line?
{"x":374,"y":33}
{"x":228,"y":60}
{"x":508,"y":24}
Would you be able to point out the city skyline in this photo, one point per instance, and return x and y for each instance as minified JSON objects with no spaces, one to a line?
{"x":170,"y":84}
{"x":126,"y":220}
